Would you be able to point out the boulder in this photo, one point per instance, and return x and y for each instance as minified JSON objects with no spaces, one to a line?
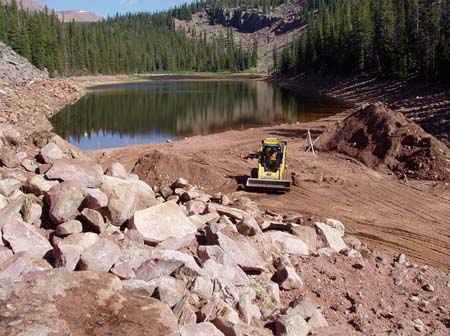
{"x":161,"y":222}
{"x":3,"y":202}
{"x":203,"y":287}
{"x":249,"y":312}
{"x":242,"y":252}
{"x":51,"y":153}
{"x":226,"y":274}
{"x":335,"y":224}
{"x":125,"y":198}
{"x":317,"y":320}
{"x":32,"y":212}
{"x":94,"y":219}
{"x":5,"y":252}
{"x":90,"y":175}
{"x":39,"y":185}
{"x":95,"y":199}
{"x":286,"y":274}
{"x":177,"y":243}
{"x":200,"y":329}
{"x":235,"y":214}
{"x":285,"y":243}
{"x":11,"y":211}
{"x":139,"y":288}
{"x":14,"y":266}
{"x":8,"y":158}
{"x":67,"y":251}
{"x":24,"y":237}
{"x":303,"y":306}
{"x":331,"y":237}
{"x":292,"y":325}
{"x":154,"y":268}
{"x":69,"y":228}
{"x":123,"y":271}
{"x":64,"y":201}
{"x":180,"y":183}
{"x":101,"y":255}
{"x":82,"y":303}
{"x":227,"y":327}
{"x":165,"y":191}
{"x":117,"y":170}
{"x":8,"y":186}
{"x":308,"y":235}
{"x":30,"y":165}
{"x":169,"y":290}
{"x":8,"y":135}
{"x":249,"y":227}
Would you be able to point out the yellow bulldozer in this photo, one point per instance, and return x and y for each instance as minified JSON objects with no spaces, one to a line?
{"x":271,"y":170}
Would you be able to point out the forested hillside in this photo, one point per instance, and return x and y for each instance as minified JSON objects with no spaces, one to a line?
{"x":132,"y":43}
{"x":388,"y":38}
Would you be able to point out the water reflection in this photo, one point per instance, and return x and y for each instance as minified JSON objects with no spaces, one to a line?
{"x":137,"y":113}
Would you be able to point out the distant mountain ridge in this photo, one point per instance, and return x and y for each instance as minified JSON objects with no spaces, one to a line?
{"x":66,"y":15}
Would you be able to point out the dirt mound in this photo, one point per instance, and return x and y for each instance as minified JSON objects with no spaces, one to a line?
{"x":15,"y":69}
{"x":161,"y":168}
{"x":387,"y":141}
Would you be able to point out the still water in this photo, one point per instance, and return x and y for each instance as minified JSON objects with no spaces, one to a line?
{"x":152,"y":112}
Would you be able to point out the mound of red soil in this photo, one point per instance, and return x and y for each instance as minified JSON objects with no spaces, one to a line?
{"x":386,"y":140}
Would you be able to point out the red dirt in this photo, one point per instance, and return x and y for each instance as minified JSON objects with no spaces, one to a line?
{"x":408,"y":216}
{"x":386,"y":141}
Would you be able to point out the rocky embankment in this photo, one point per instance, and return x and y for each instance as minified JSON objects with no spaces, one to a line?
{"x":85,"y":251}
{"x":15,"y":69}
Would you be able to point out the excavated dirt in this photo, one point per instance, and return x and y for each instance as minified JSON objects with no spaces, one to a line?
{"x":386,"y":141}
{"x":385,"y":212}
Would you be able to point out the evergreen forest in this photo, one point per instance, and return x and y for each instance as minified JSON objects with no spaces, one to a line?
{"x":386,"y":38}
{"x":130,"y":43}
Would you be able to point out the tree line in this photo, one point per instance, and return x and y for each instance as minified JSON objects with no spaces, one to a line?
{"x":387,"y":38}
{"x":130,"y":43}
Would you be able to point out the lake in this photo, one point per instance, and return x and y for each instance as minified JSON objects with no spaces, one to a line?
{"x":156,"y":111}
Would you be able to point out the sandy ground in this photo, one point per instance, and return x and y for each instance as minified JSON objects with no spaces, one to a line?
{"x":408,"y":216}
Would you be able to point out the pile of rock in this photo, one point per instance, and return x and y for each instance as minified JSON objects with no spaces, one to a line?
{"x":217,"y":261}
{"x":15,"y":69}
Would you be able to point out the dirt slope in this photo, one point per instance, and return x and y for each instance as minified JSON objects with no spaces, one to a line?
{"x":412,"y":217}
{"x":386,"y":141}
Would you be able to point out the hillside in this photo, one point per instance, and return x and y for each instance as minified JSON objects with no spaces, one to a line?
{"x":78,"y":16}
{"x":250,"y":27}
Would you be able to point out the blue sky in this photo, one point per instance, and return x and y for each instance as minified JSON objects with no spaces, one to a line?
{"x":105,"y":7}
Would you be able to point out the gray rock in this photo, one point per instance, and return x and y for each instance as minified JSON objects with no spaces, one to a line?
{"x":242,"y":252}
{"x":353,"y":242}
{"x":51,"y":153}
{"x":95,"y":199}
{"x":30,"y":165}
{"x":9,"y":158}
{"x":235,"y":214}
{"x":331,"y":237}
{"x":69,"y":228}
{"x":154,"y":268}
{"x":161,"y":222}
{"x":64,"y":201}
{"x":286,"y":274}
{"x":24,"y":237}
{"x":3,"y":202}
{"x":5,"y":252}
{"x":11,"y":211}
{"x":226,"y":274}
{"x":123,"y":271}
{"x":39,"y":185}
{"x":249,"y":312}
{"x":139,"y":288}
{"x":335,"y":224}
{"x":8,"y":186}
{"x":94,"y":219}
{"x":13,"y":267}
{"x":177,"y":243}
{"x":67,"y":251}
{"x":249,"y":227}
{"x":203,"y":287}
{"x":292,"y":325}
{"x":32,"y":211}
{"x":308,"y":235}
{"x":285,"y":243}
{"x":165,"y":191}
{"x":401,"y":258}
{"x":6,"y":289}
{"x":90,"y":175}
{"x":8,"y":134}
{"x":180,"y":183}
{"x":317,"y":320}
{"x":102,"y":255}
{"x":303,"y":306}
{"x":125,"y":198}
{"x":200,"y":329}
{"x":117,"y":170}
{"x":169,"y":290}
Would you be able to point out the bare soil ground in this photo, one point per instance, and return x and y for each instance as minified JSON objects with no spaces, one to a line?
{"x":408,"y":216}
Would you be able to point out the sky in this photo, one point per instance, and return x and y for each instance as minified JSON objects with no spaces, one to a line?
{"x":110,"y":7}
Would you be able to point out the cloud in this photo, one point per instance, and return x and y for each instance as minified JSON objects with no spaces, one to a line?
{"x":128,"y":2}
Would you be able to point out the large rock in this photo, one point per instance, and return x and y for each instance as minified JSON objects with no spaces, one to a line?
{"x":67,"y":251}
{"x":117,"y":170}
{"x":82,"y":303}
{"x":102,"y":255}
{"x":39,"y":185}
{"x":286,"y":243}
{"x":292,"y":325}
{"x":94,"y":219}
{"x":126,"y":197}
{"x":95,"y":199}
{"x":51,"y":153}
{"x":331,"y":237}
{"x":169,"y":290}
{"x":308,"y":235}
{"x":64,"y":201}
{"x":200,"y":329}
{"x":8,"y":186}
{"x":69,"y":228}
{"x":25,"y":237}
{"x":286,"y":274}
{"x":242,"y":252}
{"x":161,"y":222}
{"x":90,"y":175}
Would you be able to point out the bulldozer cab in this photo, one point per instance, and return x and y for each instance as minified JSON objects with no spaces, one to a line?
{"x":271,"y":158}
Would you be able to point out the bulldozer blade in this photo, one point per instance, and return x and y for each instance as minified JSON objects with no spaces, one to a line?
{"x":269,"y":184}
